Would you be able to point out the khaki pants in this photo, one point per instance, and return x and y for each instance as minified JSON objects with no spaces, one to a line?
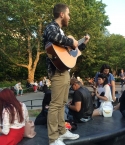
{"x":60,"y":88}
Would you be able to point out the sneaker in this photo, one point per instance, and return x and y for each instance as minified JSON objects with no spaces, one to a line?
{"x":57,"y":142}
{"x":68,"y":135}
{"x":85,"y":119}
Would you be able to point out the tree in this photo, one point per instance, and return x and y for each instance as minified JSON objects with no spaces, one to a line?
{"x":22,"y":24}
{"x":21,"y":30}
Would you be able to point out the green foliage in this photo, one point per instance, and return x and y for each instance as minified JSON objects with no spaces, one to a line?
{"x":5,"y":84}
{"x":34,"y":113}
{"x":117,"y":79}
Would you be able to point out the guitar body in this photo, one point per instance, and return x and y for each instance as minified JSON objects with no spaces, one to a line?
{"x":61,"y":57}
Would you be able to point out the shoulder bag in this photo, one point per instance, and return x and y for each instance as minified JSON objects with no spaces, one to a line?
{"x":29,"y":129}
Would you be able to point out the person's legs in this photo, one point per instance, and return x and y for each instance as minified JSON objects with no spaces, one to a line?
{"x":122,"y":82}
{"x":13,"y":138}
{"x":65,"y":92}
{"x":96,"y":112}
{"x":21,"y":91}
{"x":69,"y":117}
{"x":59,"y":96}
{"x":35,"y":88}
{"x":17,"y":92}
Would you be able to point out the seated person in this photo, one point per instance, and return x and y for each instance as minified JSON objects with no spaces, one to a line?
{"x":35,"y":86}
{"x":80,"y":109}
{"x":46,"y":82}
{"x":121,"y":105}
{"x":102,"y":92}
{"x":41,"y":119}
{"x":28,"y":85}
{"x":41,"y":85}
{"x":13,"y":116}
{"x":122,"y":76}
{"x":18,"y":88}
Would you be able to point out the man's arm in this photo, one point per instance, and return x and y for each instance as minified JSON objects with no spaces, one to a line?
{"x":75,"y":107}
{"x":56,"y":37}
{"x":112,"y":82}
{"x":113,"y":90}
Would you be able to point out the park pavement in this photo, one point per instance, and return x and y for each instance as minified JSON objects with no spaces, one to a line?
{"x":40,"y":95}
{"x":32,"y":96}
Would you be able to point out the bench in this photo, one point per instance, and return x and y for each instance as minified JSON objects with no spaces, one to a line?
{"x":99,"y":131}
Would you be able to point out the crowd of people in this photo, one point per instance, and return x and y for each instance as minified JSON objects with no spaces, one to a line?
{"x":34,"y":85}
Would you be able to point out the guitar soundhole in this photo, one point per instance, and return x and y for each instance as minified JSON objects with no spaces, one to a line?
{"x":74,"y":53}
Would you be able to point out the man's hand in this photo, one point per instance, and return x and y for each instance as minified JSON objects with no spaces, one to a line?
{"x":87,"y":37}
{"x":75,"y":42}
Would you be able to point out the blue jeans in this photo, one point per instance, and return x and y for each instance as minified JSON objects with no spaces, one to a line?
{"x":19,"y":91}
{"x":69,"y":116}
{"x":123,"y":113}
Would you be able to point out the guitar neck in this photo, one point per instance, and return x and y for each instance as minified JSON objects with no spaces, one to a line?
{"x":81,"y":41}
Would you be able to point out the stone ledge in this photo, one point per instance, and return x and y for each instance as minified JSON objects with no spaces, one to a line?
{"x":100,"y":130}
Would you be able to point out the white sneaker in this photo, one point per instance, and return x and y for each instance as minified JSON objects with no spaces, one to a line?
{"x":57,"y":142}
{"x":68,"y":135}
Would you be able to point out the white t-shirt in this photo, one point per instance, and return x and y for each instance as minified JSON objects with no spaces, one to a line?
{"x":41,"y":83}
{"x":106,"y":90}
{"x":107,"y":93}
{"x":36,"y":84}
{"x":17,"y":86}
{"x":16,"y":125}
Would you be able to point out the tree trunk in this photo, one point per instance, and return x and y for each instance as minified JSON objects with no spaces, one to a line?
{"x":31,"y":73}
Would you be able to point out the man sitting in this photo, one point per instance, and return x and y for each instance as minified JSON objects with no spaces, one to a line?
{"x":18,"y":88}
{"x":81,"y":107}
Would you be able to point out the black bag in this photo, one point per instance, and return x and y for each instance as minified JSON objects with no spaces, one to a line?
{"x":41,"y":119}
{"x":98,"y":103}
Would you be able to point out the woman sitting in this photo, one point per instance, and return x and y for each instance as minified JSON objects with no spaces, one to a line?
{"x":102,"y":92}
{"x":13,"y":115}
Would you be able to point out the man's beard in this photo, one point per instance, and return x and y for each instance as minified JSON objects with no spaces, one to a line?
{"x":64,"y":22}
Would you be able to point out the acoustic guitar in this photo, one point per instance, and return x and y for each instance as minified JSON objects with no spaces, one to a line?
{"x":63,"y":58}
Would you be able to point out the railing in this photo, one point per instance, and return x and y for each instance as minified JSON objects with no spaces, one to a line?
{"x":31,"y":102}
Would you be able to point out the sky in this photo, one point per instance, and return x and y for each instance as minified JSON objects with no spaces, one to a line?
{"x":115,"y":10}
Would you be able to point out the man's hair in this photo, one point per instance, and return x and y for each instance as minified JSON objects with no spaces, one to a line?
{"x":58,"y":8}
{"x":75,"y":81}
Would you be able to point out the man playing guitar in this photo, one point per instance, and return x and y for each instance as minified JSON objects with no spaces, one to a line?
{"x":60,"y":81}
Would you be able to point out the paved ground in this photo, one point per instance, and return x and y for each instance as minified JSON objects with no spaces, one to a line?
{"x":32,"y":96}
